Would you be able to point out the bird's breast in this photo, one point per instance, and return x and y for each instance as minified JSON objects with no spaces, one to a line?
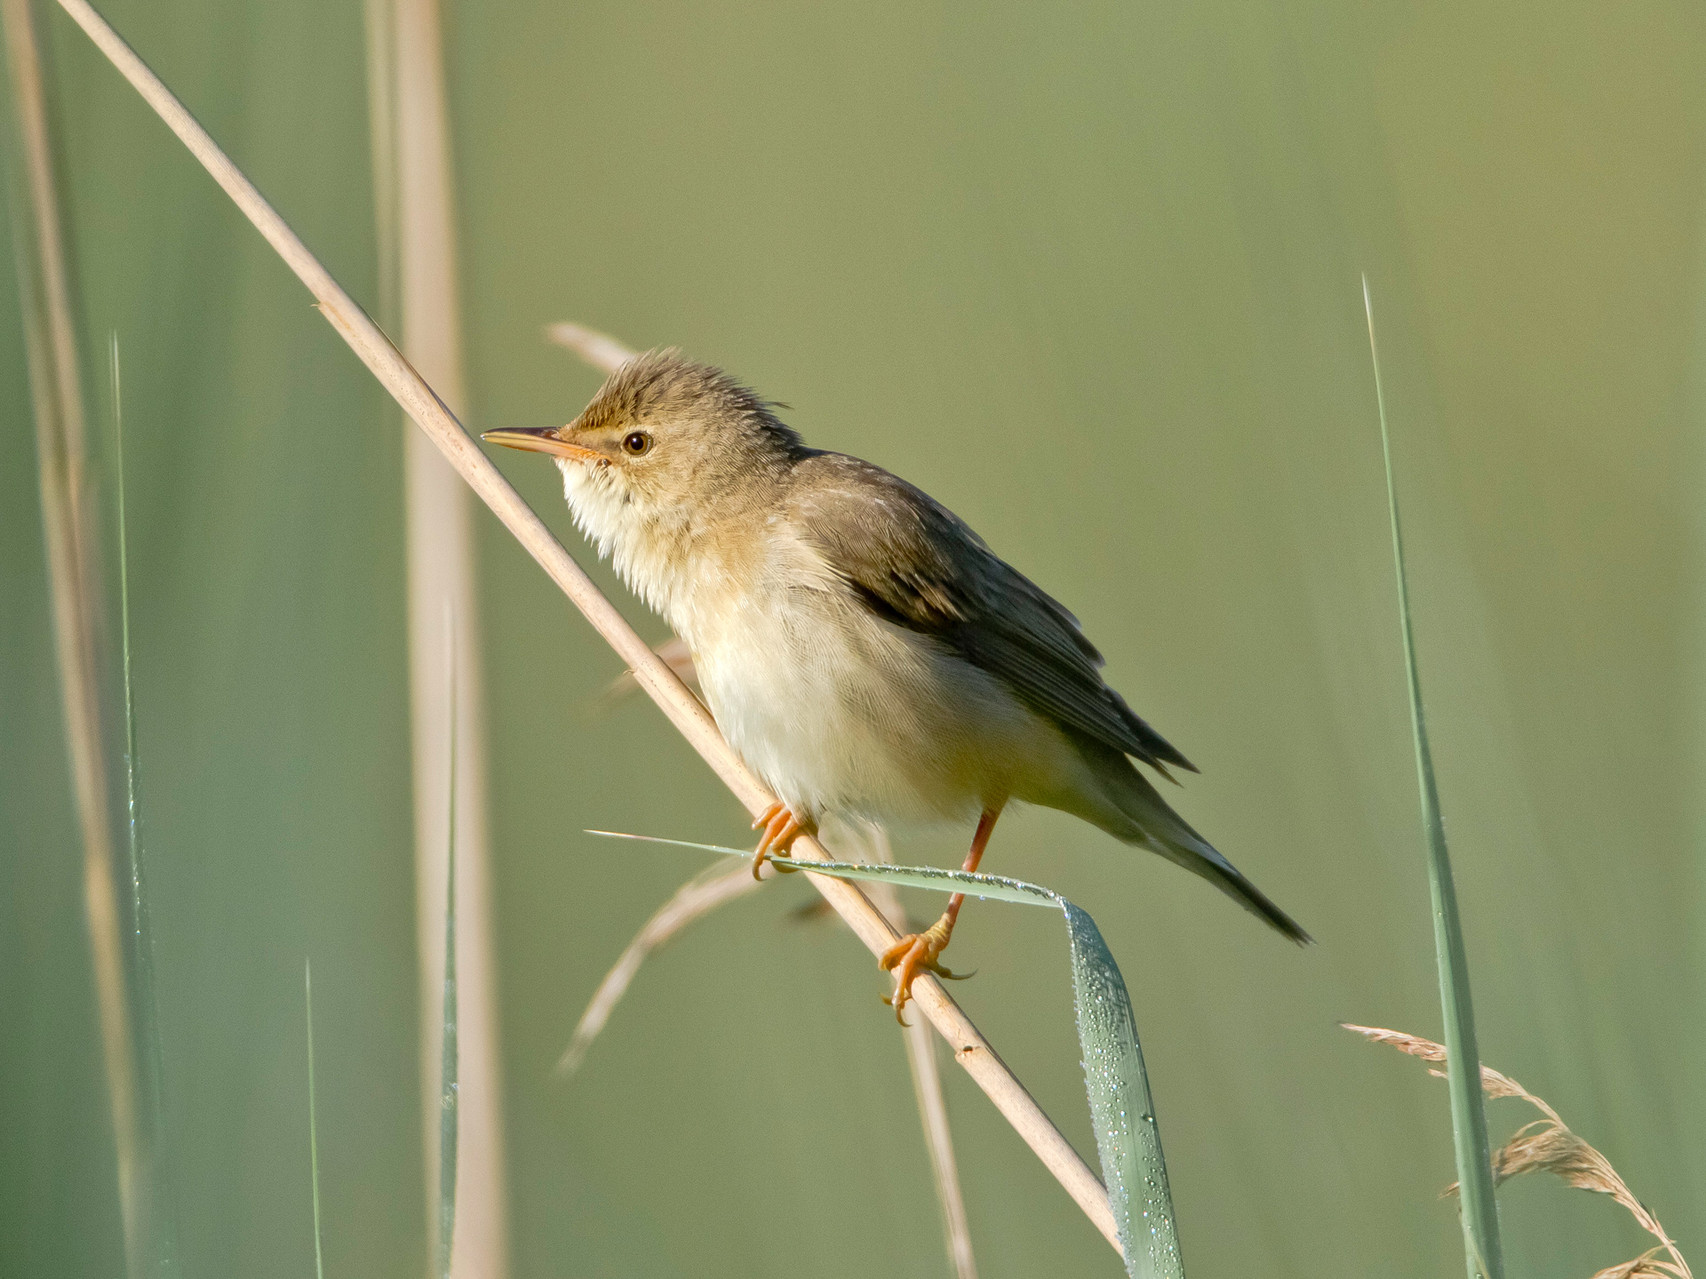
{"x":840,"y":711}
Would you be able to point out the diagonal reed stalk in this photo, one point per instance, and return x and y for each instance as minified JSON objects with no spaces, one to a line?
{"x":68,"y":531}
{"x":970,"y":1048}
{"x":417,"y":243}
{"x":1480,"y":1211}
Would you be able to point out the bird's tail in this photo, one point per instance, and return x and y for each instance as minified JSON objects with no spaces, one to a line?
{"x":1145,"y":818}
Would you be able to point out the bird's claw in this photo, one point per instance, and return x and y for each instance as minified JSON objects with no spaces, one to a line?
{"x":781,"y":829}
{"x":914,"y":954}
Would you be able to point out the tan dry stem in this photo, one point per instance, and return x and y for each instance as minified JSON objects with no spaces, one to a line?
{"x":974,"y":1053}
{"x":674,"y":653}
{"x":705,"y":892}
{"x":68,"y":531}
{"x":927,"y":1091}
{"x":600,"y":350}
{"x":1548,"y":1145}
{"x":442,"y":593}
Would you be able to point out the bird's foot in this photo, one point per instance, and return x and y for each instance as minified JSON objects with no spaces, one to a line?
{"x":781,"y":829}
{"x":913,"y":954}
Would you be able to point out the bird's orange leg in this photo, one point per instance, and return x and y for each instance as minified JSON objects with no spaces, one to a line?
{"x":781,"y":829}
{"x":919,"y":952}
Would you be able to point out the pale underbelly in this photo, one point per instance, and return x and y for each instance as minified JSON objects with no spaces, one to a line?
{"x":863,"y":719}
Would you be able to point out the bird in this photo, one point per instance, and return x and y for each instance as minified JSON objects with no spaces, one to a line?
{"x":859,"y":646}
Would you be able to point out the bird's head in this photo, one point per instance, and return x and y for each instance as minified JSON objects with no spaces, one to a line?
{"x":667,"y":444}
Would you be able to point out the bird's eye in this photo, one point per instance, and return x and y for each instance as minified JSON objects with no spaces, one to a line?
{"x":636,"y":443}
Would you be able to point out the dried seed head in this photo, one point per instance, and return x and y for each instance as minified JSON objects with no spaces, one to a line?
{"x":1547,"y":1145}
{"x":1646,"y":1266}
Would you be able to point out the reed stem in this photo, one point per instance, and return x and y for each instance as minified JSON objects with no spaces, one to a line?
{"x":414,"y":194}
{"x":932,"y":1102}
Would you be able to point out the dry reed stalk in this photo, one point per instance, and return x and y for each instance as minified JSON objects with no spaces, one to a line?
{"x":74,"y":585}
{"x":927,"y":1090}
{"x":973,"y":1052}
{"x":715,"y":886}
{"x":379,"y":21}
{"x":674,"y":653}
{"x":1548,"y":1145}
{"x":441,"y":583}
{"x":600,"y":350}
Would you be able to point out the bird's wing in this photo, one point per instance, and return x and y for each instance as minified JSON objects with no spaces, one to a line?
{"x":918,"y":565}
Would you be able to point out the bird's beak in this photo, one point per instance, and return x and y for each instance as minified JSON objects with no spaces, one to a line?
{"x":543,"y":440}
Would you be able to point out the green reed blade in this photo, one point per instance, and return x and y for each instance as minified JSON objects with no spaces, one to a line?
{"x":1463,"y":1066}
{"x":448,"y":1056}
{"x":157,"y":1214}
{"x":1122,"y":1111}
{"x":313,"y":1120}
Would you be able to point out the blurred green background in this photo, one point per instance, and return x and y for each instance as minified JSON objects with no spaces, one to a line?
{"x":1087,"y":273}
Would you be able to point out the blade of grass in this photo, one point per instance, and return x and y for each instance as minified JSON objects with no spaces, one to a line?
{"x":56,"y":393}
{"x":1480,"y":1211}
{"x":156,"y":1205}
{"x":449,"y":1056}
{"x":971,"y":1050}
{"x":1122,"y":1111}
{"x":313,"y":1119}
{"x":411,"y":136}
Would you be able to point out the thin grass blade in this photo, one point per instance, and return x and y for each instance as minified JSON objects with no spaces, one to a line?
{"x":158,"y":1216}
{"x":1122,"y":1110}
{"x":1468,"y":1115}
{"x":313,"y":1119}
{"x":448,"y":1054}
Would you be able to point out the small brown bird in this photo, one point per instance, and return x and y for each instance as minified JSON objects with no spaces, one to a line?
{"x":861,"y":648}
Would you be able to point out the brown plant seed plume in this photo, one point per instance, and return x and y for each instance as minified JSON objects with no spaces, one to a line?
{"x":1548,"y":1145}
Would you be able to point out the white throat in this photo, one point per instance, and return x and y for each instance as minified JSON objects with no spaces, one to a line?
{"x":650,"y":550}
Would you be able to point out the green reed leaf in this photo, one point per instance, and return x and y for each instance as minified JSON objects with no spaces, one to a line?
{"x":448,"y":1054}
{"x":313,"y":1121}
{"x":156,"y":1202}
{"x":1480,"y":1213}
